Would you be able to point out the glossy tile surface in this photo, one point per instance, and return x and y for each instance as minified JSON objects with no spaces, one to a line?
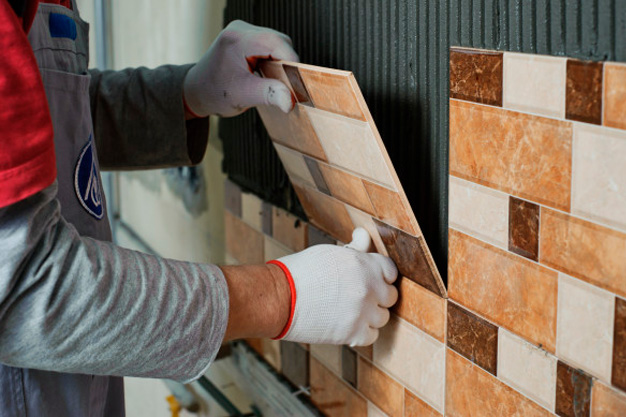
{"x":473,"y":337}
{"x":607,"y":402}
{"x":273,"y":249}
{"x":584,"y":91}
{"x":525,"y":302}
{"x":415,"y":407}
{"x":294,"y":164}
{"x":329,"y":355}
{"x":332,"y":92}
{"x":584,"y":250}
{"x":243,"y":242}
{"x":619,"y":345}
{"x":348,"y":365}
{"x":333,"y":396}
{"x":389,"y":208}
{"x":316,"y":174}
{"x":410,"y":257}
{"x":271,"y":353}
{"x":525,"y":155}
{"x":295,"y":363}
{"x":297,"y":85}
{"x":380,"y":389}
{"x":476,"y":75}
{"x":289,"y":230}
{"x":524,"y":228}
{"x":347,"y":188}
{"x":252,"y":210}
{"x":317,"y":237}
{"x":615,"y":95}
{"x":421,"y":308}
{"x":573,"y":391}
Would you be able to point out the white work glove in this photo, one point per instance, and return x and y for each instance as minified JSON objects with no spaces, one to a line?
{"x":342,"y":294}
{"x":223,"y":81}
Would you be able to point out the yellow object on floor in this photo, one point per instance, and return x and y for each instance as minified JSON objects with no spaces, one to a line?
{"x":175,"y":407}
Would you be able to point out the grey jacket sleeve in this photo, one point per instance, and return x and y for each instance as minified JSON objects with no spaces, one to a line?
{"x":78,"y":305}
{"x":139,"y":119}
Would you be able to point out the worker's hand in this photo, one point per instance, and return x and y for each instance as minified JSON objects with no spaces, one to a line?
{"x":342,"y":294}
{"x":223,"y":82}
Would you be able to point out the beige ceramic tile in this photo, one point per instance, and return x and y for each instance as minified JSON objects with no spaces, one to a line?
{"x":289,"y":229}
{"x":414,"y":358}
{"x":379,"y":388}
{"x":599,"y":174}
{"x":333,"y":396}
{"x":346,"y":187}
{"x":294,"y":164}
{"x":615,"y":95}
{"x":585,"y":326}
{"x":274,"y":249}
{"x":421,"y":308}
{"x":329,"y":355}
{"x":479,"y":211}
{"x":271,"y":352}
{"x":534,"y":83}
{"x":364,"y":220}
{"x":530,"y":370}
{"x":607,"y":402}
{"x":251,"y":210}
{"x":389,"y":208}
{"x":373,"y":411}
{"x":350,"y":144}
{"x":243,"y":242}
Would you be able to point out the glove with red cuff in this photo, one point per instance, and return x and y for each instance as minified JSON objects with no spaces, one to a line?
{"x":339,"y":295}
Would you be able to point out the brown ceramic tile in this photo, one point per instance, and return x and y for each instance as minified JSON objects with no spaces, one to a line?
{"x":295,"y":363}
{"x":421,"y":308}
{"x":289,"y":230}
{"x":470,"y":391}
{"x":365,"y":351}
{"x":523,"y":228}
{"x":524,"y":155}
{"x":348,"y":365}
{"x":325,"y":212}
{"x":583,"y":92}
{"x":380,"y":389}
{"x":411,"y":258}
{"x":332,"y":92}
{"x":256,"y":345}
{"x":573,"y":392}
{"x":388,"y":207}
{"x":317,"y":237}
{"x":476,"y":76}
{"x":619,"y":345}
{"x":232,"y":198}
{"x":332,"y":396}
{"x":615,"y":95}
{"x":266,"y":218}
{"x":318,"y":178}
{"x":347,"y":188}
{"x":415,"y":407}
{"x":607,"y":402}
{"x":584,"y":250}
{"x":473,"y":337}
{"x":301,"y":93}
{"x":243,"y":242}
{"x":509,"y":291}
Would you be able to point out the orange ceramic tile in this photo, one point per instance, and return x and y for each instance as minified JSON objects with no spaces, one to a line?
{"x":333,"y":396}
{"x":525,"y":155}
{"x":390,"y":209}
{"x":289,"y":230}
{"x":380,"y":389}
{"x":421,"y":308}
{"x":607,"y":402}
{"x":584,"y":250}
{"x":415,"y":407}
{"x":615,"y":95}
{"x":470,"y":391}
{"x":511,"y":291}
{"x":243,"y":242}
{"x":325,"y":212}
{"x":332,"y":92}
{"x":346,"y":187}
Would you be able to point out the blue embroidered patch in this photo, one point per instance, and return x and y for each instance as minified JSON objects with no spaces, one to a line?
{"x":62,"y":26}
{"x":87,"y":182}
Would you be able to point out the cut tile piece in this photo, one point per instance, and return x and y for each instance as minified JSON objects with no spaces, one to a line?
{"x":525,"y":302}
{"x":348,"y":365}
{"x":607,"y":402}
{"x":266,"y":218}
{"x":473,"y":337}
{"x":293,"y":129}
{"x":252,"y":210}
{"x":476,"y":75}
{"x":524,"y":228}
{"x":332,"y":92}
{"x":274,"y":249}
{"x":421,"y":308}
{"x":294,"y":361}
{"x":350,"y":144}
{"x":413,"y":358}
{"x":325,"y":212}
{"x":411,"y":257}
{"x":599,"y":177}
{"x":584,"y":250}
{"x":243,"y":242}
{"x":347,"y":188}
{"x":615,"y":95}
{"x":232,"y":197}
{"x":316,"y":174}
{"x":380,"y":389}
{"x":317,"y":237}
{"x":415,"y":407}
{"x":289,"y":230}
{"x":619,"y":345}
{"x":471,"y":391}
{"x":535,"y":83}
{"x":573,"y":392}
{"x":479,"y":211}
{"x":364,"y":220}
{"x":333,"y":396}
{"x":530,"y":370}
{"x":585,"y":326}
{"x":271,"y":352}
{"x":525,"y":155}
{"x":294,"y":164}
{"x":584,"y":91}
{"x":389,"y":208}
{"x":299,"y":89}
{"x":329,"y":355}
